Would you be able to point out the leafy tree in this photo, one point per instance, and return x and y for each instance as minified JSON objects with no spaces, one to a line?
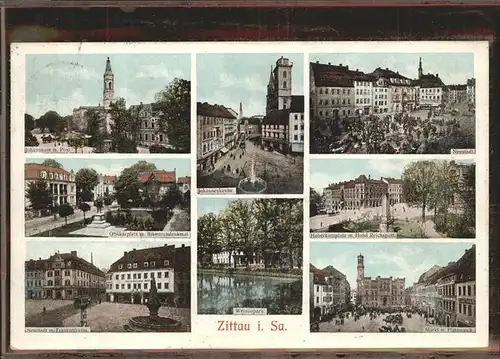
{"x":121,"y":138}
{"x":174,"y":103}
{"x":51,"y":163}
{"x":84,"y":207}
{"x":29,"y":123}
{"x":108,"y":200}
{"x":86,"y":179}
{"x":75,"y":140}
{"x":95,"y":127}
{"x":143,"y":166}
{"x":30,"y":139}
{"x":128,"y":188}
{"x":314,"y":202}
{"x":419,"y":180}
{"x":65,"y":210}
{"x":172,"y":198}
{"x":208,"y":237}
{"x":62,"y":124}
{"x":39,"y":195}
{"x":49,"y":120}
{"x":186,"y":200}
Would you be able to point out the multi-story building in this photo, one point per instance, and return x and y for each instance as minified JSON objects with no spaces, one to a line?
{"x":471,"y":91}
{"x":34,"y":272}
{"x":331,"y":91}
{"x":382,"y":99}
{"x":60,"y":182}
{"x":132,"y":275}
{"x":158,"y":182}
{"x":251,"y":127}
{"x":334,"y":200}
{"x":275,"y":131}
{"x":279,"y":87}
{"x":400,"y":91}
{"x":363,"y":93}
{"x":447,"y":298}
{"x":330,"y":290}
{"x":378,"y":291}
{"x":105,"y":185}
{"x":149,"y":132}
{"x":457,"y":93}
{"x":395,"y":189}
{"x":230,"y":132}
{"x":67,"y":276}
{"x":184,"y":183}
{"x":296,"y":125}
{"x":432,"y":93}
{"x":466,"y":289}
{"x":210,"y":133}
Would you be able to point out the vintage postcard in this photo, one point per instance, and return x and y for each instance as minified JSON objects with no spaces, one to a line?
{"x":392,"y":198}
{"x":393,"y":103}
{"x":115,"y":103}
{"x":107,"y":198}
{"x":250,"y":124}
{"x":250,"y":256}
{"x":249,"y":195}
{"x":392,"y":287}
{"x":107,"y":287}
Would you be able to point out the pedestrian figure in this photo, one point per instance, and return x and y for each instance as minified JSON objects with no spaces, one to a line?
{"x":44,"y":309}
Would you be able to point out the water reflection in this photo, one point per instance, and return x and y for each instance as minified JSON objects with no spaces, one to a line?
{"x":220,"y":293}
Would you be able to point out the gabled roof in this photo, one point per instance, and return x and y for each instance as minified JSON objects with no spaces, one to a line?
{"x":429,"y":81}
{"x":38,"y":264}
{"x":184,"y":180}
{"x":77,"y":263}
{"x":388,"y":74}
{"x":206,"y":109}
{"x":158,"y":176}
{"x":158,"y":255}
{"x":277,"y":117}
{"x":457,"y":87}
{"x":336,"y":75}
{"x":297,"y":104}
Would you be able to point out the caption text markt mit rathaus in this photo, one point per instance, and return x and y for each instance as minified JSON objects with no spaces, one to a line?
{"x":235,"y":326}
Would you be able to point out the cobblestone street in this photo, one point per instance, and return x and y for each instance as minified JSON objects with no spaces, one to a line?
{"x":282,"y":173}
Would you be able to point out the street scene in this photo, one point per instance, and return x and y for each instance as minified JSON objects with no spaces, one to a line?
{"x":108,"y":287}
{"x":121,"y":103}
{"x":107,"y":197}
{"x":422,"y":103}
{"x":396,"y":287}
{"x":250,"y":256}
{"x":401,"y":198}
{"x":250,"y":125}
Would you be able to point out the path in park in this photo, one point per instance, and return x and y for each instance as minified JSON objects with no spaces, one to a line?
{"x":51,"y":318}
{"x":39,"y":225}
{"x":179,"y":221}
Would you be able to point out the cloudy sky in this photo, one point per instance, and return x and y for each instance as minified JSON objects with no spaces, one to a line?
{"x":116,"y":166}
{"x":228,"y":79}
{"x":326,"y":171}
{"x":104,"y":253}
{"x":453,"y":69}
{"x":213,"y":205}
{"x":385,"y":259}
{"x":62,"y":82}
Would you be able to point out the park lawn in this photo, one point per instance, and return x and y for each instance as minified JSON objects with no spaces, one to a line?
{"x":63,"y":231}
{"x":408,"y":229}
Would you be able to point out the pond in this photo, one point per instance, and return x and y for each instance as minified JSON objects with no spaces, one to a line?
{"x":220,"y":293}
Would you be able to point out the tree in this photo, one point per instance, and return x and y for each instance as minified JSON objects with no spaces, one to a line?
{"x":65,"y":210}
{"x":94,"y":129}
{"x":30,"y":139}
{"x":51,"y":163}
{"x":29,"y":123}
{"x":86,"y":179}
{"x":121,"y":138}
{"x":39,"y":195}
{"x":314,"y":202}
{"x":84,"y":207}
{"x":75,"y":140}
{"x":208,"y":237}
{"x":49,"y":120}
{"x":172,"y":198}
{"x":143,"y":166}
{"x":419,"y":180}
{"x":174,"y":104}
{"x":186,"y":200}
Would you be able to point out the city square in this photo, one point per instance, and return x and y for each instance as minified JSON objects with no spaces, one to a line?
{"x":83,"y":288}
{"x":256,"y":145}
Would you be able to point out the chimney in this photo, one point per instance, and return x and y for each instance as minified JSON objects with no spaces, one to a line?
{"x":340,"y":65}
{"x":39,"y":258}
{"x":124,"y":253}
{"x":73,"y":253}
{"x":91,"y":258}
{"x":329,"y":63}
{"x":386,"y":69}
{"x":182,"y":246}
{"x":317,"y":62}
{"x":437,"y":75}
{"x":241,"y":110}
{"x":133,"y":249}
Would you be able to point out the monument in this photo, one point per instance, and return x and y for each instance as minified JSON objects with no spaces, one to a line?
{"x":153,"y":322}
{"x":252,"y":184}
{"x":386,"y":214}
{"x":97,"y":228}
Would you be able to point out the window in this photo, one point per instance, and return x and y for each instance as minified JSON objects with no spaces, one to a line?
{"x":129,"y":265}
{"x":134,"y":265}
{"x":166,"y":262}
{"x":120,"y":266}
{"x":284,"y":84}
{"x":138,"y":275}
{"x":284,"y":74}
{"x":117,"y":286}
{"x":469,"y":290}
{"x":139,"y":285}
{"x":145,"y":276}
{"x":153,"y":264}
{"x":166,"y":274}
{"x":128,"y":286}
{"x":295,"y":137}
{"x":159,"y":285}
{"x":159,"y":275}
{"x":128,"y":276}
{"x":135,"y":285}
{"x":146,"y":264}
{"x":166,"y":285}
{"x":117,"y":276}
{"x":134,"y":276}
{"x":145,"y":285}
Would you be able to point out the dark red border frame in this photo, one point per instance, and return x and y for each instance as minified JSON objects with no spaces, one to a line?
{"x":191,"y":21}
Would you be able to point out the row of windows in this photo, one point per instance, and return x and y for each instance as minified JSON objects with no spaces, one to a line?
{"x":466,"y":309}
{"x":67,"y":273}
{"x":333,"y":91}
{"x":67,"y":282}
{"x":466,"y":290}
{"x":211,"y":146}
{"x":362,"y":92}
{"x":274,"y":127}
{"x":206,"y":121}
{"x":365,"y":101}
{"x":166,"y":262}
{"x":141,"y":286}
{"x":141,"y":276}
{"x":35,"y":274}
{"x":35,"y":283}
{"x":447,"y":305}
{"x":296,"y":137}
{"x":296,"y":116}
{"x":211,"y":133}
{"x":275,"y":135}
{"x":431,"y":90}
{"x":431,"y":97}
{"x":380,"y":97}
{"x":335,"y":101}
{"x":296,"y":127}
{"x":57,"y":176}
{"x":362,"y":83}
{"x":380,"y":103}
{"x":330,"y":113}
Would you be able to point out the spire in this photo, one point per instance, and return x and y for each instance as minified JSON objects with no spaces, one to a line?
{"x":271,"y":77}
{"x":420,"y":70}
{"x":91,"y":258}
{"x":108,"y":66}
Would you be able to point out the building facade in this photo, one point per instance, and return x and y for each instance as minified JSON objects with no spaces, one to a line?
{"x":210,"y":133}
{"x":457,"y":94}
{"x":378,"y":291}
{"x":296,"y":124}
{"x":275,"y":131}
{"x":149,"y":132}
{"x":158,"y":183}
{"x":279,"y":87}
{"x":471,"y":91}
{"x":60,"y":183}
{"x":105,"y":186}
{"x":65,"y":276}
{"x":330,"y":290}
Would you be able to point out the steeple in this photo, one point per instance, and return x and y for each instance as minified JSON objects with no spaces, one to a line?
{"x":108,"y":67}
{"x":108,"y":84}
{"x":91,"y":258}
{"x":271,"y":78}
{"x":420,"y":70}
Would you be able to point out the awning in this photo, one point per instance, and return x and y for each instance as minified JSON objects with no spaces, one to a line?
{"x":224,"y":150}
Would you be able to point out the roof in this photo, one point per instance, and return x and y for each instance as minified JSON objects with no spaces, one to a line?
{"x":77,"y":263}
{"x":471,"y":82}
{"x":429,"y":81}
{"x":393,"y":180}
{"x":109,"y":179}
{"x":206,"y":109}
{"x":182,"y":260}
{"x":457,"y":87}
{"x":184,"y":180}
{"x":277,"y":117}
{"x":388,"y":74}
{"x":336,"y":75}
{"x":38,"y":264}
{"x":297,"y":104}
{"x":465,"y":268}
{"x":426,"y":275}
{"x":159,"y":176}
{"x":32,"y":171}
{"x":330,"y":271}
{"x":158,"y":255}
{"x":148,"y":107}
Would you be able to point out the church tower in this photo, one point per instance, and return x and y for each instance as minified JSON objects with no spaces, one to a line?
{"x":271,"y":93}
{"x":420,"y":70}
{"x":109,"y":85}
{"x":283,"y":78}
{"x":361,"y":268}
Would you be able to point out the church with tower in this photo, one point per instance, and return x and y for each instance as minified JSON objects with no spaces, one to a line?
{"x":378,"y":291}
{"x":283,"y":124}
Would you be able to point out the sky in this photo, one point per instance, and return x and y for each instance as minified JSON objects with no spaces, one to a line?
{"x":453,"y":69}
{"x":228,"y":79}
{"x":326,"y":171}
{"x":214,"y":205}
{"x":116,"y":166}
{"x":62,"y":82}
{"x":104,"y":253}
{"x":408,"y":260}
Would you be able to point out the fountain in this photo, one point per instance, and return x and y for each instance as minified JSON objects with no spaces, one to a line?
{"x":252,"y":184}
{"x":153,"y":322}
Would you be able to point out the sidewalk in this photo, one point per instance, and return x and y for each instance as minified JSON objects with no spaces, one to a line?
{"x":178,"y":222}
{"x":39,"y":225}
